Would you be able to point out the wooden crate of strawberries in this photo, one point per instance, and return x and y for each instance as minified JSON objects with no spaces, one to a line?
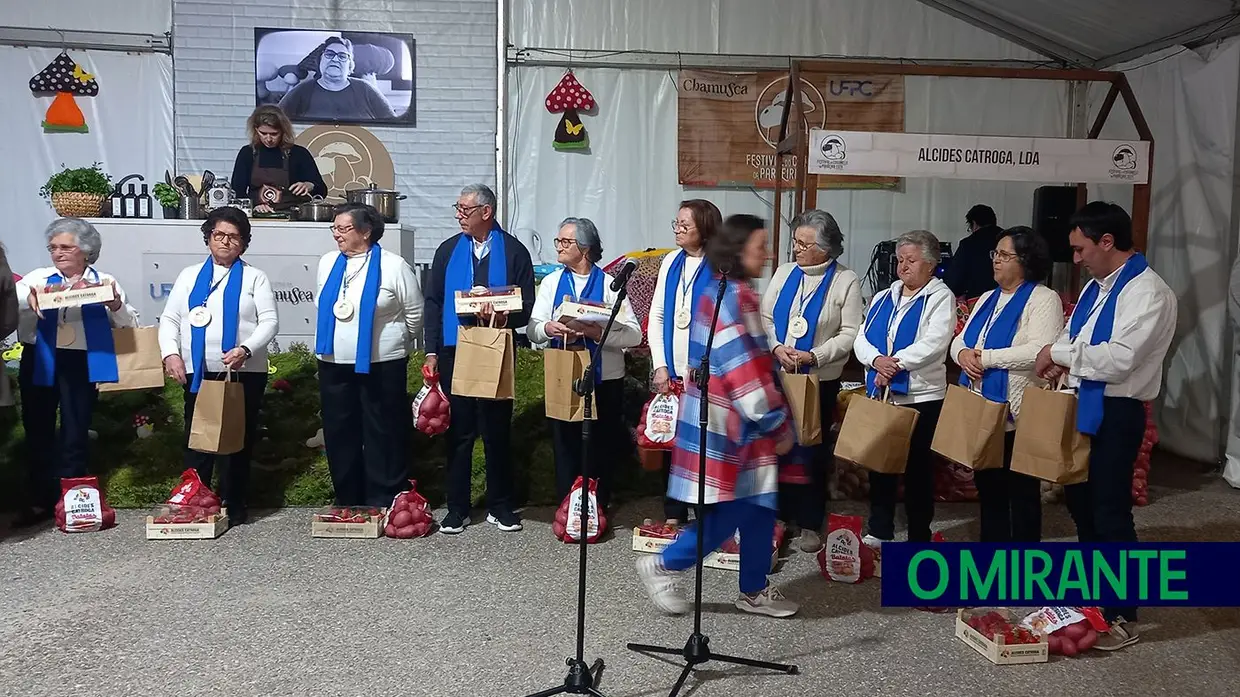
{"x":996,"y":634}
{"x":348,"y":522}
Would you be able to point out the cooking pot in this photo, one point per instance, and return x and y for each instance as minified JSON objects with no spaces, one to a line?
{"x":316,"y":210}
{"x":386,"y":201}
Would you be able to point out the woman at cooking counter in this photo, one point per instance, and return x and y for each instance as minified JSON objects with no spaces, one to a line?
{"x":221,"y":314}
{"x":272,"y":160}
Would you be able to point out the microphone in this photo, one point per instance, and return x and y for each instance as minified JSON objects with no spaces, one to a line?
{"x":622,"y":278}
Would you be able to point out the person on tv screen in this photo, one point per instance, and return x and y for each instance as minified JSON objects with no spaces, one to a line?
{"x":335,"y":96}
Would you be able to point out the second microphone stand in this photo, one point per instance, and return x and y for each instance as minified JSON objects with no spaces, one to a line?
{"x":696,"y":650}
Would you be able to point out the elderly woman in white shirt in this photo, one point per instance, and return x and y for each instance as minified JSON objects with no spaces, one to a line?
{"x":369,"y":309}
{"x":812,"y":310}
{"x":579,"y":249}
{"x":996,"y":352}
{"x":903,"y":344}
{"x":220,"y":316}
{"x":681,"y":282}
{"x":65,"y":353}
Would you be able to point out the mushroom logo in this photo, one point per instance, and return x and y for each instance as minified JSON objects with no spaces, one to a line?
{"x":833,"y":148}
{"x":349,"y":157}
{"x":64,"y":78}
{"x":771,"y":102}
{"x":1124,"y":157}
{"x":568,"y":98}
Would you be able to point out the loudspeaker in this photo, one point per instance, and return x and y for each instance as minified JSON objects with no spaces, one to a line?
{"x":1053,"y":207}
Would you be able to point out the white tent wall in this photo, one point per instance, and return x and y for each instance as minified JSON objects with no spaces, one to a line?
{"x":119,"y":16}
{"x":1189,"y":99}
{"x":628,"y":182}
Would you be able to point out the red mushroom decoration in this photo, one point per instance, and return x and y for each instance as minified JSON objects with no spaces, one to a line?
{"x":64,"y":78}
{"x":567,"y":99}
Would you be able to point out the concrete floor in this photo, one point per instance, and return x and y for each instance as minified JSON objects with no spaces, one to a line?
{"x":266,"y":610}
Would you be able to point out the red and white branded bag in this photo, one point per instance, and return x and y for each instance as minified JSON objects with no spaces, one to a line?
{"x":82,"y":507}
{"x":191,"y":501}
{"x":431,"y":410}
{"x":410,"y":515}
{"x":657,"y":427}
{"x":567,"y":523}
{"x":843,"y":557}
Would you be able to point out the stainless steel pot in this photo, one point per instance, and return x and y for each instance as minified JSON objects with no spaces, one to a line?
{"x":386,"y":201}
{"x":314,"y":211}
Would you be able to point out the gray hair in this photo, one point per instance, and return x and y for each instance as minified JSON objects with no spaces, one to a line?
{"x":923,"y":240}
{"x":587,"y":237}
{"x":482,"y":194}
{"x":829,"y":238}
{"x":84,"y":235}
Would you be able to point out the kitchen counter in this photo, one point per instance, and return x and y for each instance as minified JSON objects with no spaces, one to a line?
{"x":146,"y":256}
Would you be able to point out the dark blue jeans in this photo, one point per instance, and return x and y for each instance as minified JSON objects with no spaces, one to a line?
{"x":53,"y":454}
{"x":757,"y":526}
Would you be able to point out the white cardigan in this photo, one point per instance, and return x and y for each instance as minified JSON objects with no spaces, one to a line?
{"x":658,"y":314}
{"x":838,"y":324}
{"x":28,"y":321}
{"x":398,"y":311}
{"x":625,"y":331}
{"x":1039,"y":325}
{"x":924,"y":359}
{"x":257,"y":320}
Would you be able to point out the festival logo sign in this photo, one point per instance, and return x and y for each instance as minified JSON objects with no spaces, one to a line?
{"x":349,"y":157}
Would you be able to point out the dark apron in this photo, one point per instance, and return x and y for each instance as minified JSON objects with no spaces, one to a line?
{"x":269,"y":185}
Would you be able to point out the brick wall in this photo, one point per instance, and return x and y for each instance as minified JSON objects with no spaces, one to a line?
{"x":454,"y":141}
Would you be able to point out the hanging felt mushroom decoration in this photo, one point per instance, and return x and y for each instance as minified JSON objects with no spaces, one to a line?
{"x":64,"y":78}
{"x":569,"y":99}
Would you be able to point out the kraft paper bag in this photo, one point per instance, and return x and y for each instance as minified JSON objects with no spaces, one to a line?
{"x":971,"y":429}
{"x":801,"y":391}
{"x":219,"y":418}
{"x":138,"y":360}
{"x":876,"y":434}
{"x":1048,"y":446}
{"x":561,"y":368}
{"x":485,"y":363}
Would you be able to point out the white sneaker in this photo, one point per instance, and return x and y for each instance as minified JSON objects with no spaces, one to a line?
{"x":810,"y":542}
{"x":660,"y":585}
{"x":769,"y":602}
{"x":876,"y":546}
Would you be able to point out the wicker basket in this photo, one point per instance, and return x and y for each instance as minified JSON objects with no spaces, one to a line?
{"x":71,"y":204}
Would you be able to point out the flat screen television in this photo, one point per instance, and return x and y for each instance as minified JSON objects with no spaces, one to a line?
{"x":347,"y":77}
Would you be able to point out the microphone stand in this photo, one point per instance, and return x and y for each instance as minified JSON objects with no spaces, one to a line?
{"x":581,"y":679}
{"x":696,"y":650}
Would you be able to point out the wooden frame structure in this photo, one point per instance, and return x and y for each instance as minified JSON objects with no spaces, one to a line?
{"x":805,"y":194}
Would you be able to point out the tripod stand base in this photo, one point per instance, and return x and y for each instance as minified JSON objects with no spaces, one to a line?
{"x":697,"y":651}
{"x":579,"y":681}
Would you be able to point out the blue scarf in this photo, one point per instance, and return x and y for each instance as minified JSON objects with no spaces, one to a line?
{"x":811,"y":311}
{"x":100,"y":349}
{"x":593,"y":291}
{"x":876,"y":330}
{"x":1090,"y":394}
{"x":1000,"y":336}
{"x":325,"y":337}
{"x":460,"y":275}
{"x":671,"y":291}
{"x":232,"y":308}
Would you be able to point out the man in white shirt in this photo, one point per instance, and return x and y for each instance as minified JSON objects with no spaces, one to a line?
{"x":1112,"y":352}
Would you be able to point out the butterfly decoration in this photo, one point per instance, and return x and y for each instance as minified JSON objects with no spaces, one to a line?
{"x":568,"y":99}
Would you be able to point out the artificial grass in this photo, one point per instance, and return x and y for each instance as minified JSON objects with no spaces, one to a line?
{"x":139,"y":472}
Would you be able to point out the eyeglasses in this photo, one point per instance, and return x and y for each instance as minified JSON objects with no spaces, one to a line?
{"x":341,"y":56}
{"x":1002,"y":255}
{"x":564,"y":242}
{"x":678,"y":226}
{"x":466,"y":210}
{"x":799,"y":246}
{"x":342,"y":229}
{"x":66,"y":248}
{"x":225,"y":237}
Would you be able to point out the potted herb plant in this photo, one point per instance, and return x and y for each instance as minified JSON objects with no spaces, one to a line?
{"x":169,"y":198}
{"x":79,"y":192}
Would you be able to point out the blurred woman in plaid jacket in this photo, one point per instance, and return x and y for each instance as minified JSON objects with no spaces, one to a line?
{"x":748,"y":427}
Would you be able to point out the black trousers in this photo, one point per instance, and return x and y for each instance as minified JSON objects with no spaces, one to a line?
{"x":608,"y":440}
{"x":1010,"y":502}
{"x":918,"y":483}
{"x":53,"y":454}
{"x":471,"y":417}
{"x":1102,"y":506}
{"x":366,"y":422}
{"x":234,"y":487}
{"x":806,"y":504}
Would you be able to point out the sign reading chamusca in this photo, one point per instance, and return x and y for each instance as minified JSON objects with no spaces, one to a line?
{"x":728,"y":123}
{"x":870,"y":154}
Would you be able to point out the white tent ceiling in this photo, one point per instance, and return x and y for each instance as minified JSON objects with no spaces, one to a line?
{"x":1099,"y":33}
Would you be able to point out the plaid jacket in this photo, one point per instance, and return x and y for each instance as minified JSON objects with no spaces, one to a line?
{"x":747,"y":414}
